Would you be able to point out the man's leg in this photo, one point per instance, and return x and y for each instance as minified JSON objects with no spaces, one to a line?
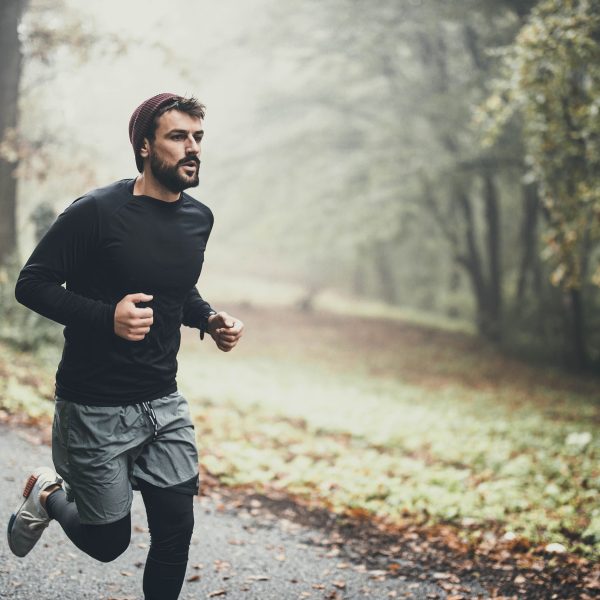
{"x":44,"y":499}
{"x":90,"y":450}
{"x":171,"y":522}
{"x":102,"y":542}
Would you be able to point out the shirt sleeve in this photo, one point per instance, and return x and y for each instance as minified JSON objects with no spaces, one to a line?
{"x":196,"y":311}
{"x":67,"y":247}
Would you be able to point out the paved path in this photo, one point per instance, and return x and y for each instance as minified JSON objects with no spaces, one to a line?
{"x":235,"y":554}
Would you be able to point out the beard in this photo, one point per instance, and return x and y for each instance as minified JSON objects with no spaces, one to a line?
{"x":171,"y":177}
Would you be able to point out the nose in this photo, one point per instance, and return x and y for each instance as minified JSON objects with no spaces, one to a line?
{"x":193,"y":146}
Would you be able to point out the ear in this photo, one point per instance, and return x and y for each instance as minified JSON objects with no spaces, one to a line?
{"x":145,"y":149}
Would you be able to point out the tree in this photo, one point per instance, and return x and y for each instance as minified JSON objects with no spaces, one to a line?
{"x":11,"y":64}
{"x":410,"y":74}
{"x":29,"y":36}
{"x":552,"y":78}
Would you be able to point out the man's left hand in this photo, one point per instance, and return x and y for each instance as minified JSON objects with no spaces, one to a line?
{"x":225,"y":330}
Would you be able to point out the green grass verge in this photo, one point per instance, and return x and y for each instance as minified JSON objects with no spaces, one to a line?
{"x":453,"y":454}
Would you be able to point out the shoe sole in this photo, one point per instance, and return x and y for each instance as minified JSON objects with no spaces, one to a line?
{"x":26,"y":493}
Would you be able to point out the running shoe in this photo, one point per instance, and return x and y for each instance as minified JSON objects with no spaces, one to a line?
{"x":27,"y":524}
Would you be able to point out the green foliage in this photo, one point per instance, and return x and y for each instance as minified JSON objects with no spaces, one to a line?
{"x":26,"y":382}
{"x":453,"y":454}
{"x":19,"y":326}
{"x":552,"y":78}
{"x":20,"y":398}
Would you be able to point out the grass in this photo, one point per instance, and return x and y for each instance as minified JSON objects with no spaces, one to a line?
{"x":400,"y":421}
{"x":380,"y":416}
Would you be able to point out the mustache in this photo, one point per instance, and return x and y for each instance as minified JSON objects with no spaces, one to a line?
{"x":189,"y":159}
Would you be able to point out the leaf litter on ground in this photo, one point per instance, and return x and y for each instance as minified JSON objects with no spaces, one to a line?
{"x":418,"y":428}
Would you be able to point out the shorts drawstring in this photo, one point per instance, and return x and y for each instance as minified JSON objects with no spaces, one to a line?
{"x":152,"y":416}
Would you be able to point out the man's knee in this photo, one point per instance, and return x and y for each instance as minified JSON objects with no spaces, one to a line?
{"x":174,"y":530}
{"x":108,"y":554}
{"x":108,"y":542}
{"x":171,"y":537}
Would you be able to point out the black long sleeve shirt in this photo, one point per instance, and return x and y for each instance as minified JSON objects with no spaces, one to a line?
{"x":107,"y":244}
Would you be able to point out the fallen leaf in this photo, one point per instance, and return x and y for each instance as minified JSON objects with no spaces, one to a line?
{"x":447,"y":587}
{"x":194,"y":578}
{"x":217,"y":593}
{"x":221,"y":565}
{"x":339,"y":584}
{"x":377,"y":573}
{"x":592,"y":581}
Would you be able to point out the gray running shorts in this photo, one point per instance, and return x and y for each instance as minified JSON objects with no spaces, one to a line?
{"x":102,"y":451}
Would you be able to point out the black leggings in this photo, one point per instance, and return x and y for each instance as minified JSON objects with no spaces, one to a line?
{"x":170,"y":520}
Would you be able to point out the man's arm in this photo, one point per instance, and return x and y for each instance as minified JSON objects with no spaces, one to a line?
{"x":67,"y":245}
{"x":196,"y":311}
{"x":225,"y":330}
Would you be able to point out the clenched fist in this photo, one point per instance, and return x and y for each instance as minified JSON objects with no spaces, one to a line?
{"x":225,"y":330}
{"x":133,"y":323}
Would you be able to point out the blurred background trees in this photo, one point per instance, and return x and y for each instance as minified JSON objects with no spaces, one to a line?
{"x":552,"y":78}
{"x":438,"y":157}
{"x":10,"y":74}
{"x":36,"y":38}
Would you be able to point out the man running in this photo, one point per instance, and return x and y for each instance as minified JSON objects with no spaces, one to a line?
{"x":130,"y":254}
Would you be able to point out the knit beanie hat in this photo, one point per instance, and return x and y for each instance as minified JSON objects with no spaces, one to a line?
{"x":142,"y":118}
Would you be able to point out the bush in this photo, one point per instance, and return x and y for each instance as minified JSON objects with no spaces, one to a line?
{"x":19,"y":326}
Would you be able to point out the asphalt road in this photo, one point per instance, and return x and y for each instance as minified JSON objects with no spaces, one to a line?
{"x":236,"y":553}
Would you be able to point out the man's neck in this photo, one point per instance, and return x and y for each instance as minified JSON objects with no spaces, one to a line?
{"x":146,"y":185}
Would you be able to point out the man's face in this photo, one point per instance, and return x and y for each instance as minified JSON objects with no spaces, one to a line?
{"x":175,"y":151}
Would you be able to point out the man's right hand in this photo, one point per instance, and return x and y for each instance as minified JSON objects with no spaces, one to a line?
{"x":133,"y":323}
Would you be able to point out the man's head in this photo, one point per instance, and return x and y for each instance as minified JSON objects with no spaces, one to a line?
{"x":165,"y":132}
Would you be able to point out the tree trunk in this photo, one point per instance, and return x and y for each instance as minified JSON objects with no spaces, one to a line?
{"x":528,"y":240}
{"x":385,"y":272}
{"x":574,"y":302}
{"x":359,"y":284}
{"x":494,"y":295}
{"x":11,"y":12}
{"x":471,"y":261}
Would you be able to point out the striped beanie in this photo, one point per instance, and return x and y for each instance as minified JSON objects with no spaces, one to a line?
{"x":142,"y":119}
